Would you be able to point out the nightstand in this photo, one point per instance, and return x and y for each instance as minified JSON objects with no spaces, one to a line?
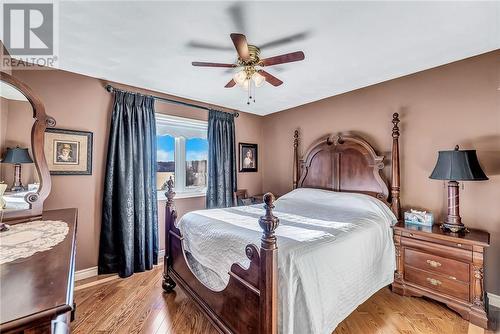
{"x":444,"y":266}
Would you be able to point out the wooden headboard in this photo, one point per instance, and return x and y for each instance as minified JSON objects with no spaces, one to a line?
{"x":349,"y":163}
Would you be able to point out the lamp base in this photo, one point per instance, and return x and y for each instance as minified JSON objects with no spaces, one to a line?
{"x":17,"y":188}
{"x":453,"y":222}
{"x":18,"y":184}
{"x":454,"y":228}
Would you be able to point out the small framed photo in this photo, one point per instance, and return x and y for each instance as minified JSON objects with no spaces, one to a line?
{"x":68,"y":152}
{"x":248,"y":161}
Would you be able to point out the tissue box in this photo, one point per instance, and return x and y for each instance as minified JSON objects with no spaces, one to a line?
{"x":419,"y":217}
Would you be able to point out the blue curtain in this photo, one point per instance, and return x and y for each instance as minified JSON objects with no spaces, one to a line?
{"x":129,"y":228}
{"x":221,"y":159}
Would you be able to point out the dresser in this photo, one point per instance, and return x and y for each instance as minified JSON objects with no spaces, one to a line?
{"x":38,"y":251}
{"x":447,"y":267}
{"x":36,"y":293}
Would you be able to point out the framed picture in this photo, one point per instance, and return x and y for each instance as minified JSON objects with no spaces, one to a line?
{"x":248,"y":157}
{"x":68,"y":152}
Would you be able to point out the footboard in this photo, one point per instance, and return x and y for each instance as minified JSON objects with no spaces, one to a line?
{"x":249,"y":302}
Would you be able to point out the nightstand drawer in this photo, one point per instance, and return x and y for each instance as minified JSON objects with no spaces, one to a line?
{"x":437,"y":282}
{"x":453,"y":269}
{"x":442,"y":242}
{"x":438,"y":249}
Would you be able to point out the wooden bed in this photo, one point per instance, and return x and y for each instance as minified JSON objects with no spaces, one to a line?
{"x":249,"y":303}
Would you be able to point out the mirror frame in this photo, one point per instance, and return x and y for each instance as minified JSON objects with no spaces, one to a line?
{"x":42,"y":121}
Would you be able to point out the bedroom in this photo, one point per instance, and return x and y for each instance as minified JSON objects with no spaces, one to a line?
{"x":434,"y":64}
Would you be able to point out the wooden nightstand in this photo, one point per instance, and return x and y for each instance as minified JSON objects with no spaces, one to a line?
{"x":443,"y":266}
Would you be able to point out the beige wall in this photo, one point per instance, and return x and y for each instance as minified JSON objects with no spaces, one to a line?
{"x":81,"y":103}
{"x":454,"y":104}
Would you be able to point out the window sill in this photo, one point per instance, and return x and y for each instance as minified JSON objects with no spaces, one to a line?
{"x":161,"y":195}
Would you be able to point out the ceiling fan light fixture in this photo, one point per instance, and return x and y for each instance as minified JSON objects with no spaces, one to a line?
{"x":240,"y":77}
{"x":249,"y":66}
{"x":245,"y":84}
{"x":258,"y":79}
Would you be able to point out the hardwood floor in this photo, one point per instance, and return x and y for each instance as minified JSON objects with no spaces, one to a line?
{"x":138,"y":305}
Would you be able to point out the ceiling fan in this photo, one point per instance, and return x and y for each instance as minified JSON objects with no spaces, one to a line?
{"x":251,"y":73}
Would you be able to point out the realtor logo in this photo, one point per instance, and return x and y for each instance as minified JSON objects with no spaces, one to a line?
{"x":28,"y":28}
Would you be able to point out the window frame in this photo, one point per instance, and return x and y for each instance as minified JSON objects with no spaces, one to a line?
{"x":180,"y":157}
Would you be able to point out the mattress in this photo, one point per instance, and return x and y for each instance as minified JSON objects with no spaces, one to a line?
{"x":335,"y":250}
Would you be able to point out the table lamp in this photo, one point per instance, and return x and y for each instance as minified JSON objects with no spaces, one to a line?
{"x":17,"y":156}
{"x":456,"y":165}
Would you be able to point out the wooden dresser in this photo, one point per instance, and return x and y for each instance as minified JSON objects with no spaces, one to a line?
{"x":37,"y":292}
{"x":443,"y":266}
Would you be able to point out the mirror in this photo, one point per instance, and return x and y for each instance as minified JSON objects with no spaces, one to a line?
{"x":24,"y":177}
{"x":17,"y":170}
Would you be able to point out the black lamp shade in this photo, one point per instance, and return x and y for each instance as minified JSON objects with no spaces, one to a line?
{"x":17,"y":155}
{"x":458,"y":165}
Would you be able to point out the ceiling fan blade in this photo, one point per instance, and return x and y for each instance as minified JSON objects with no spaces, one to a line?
{"x":200,"y":63}
{"x":230,"y":84}
{"x":270,"y":78}
{"x":286,"y":58}
{"x":207,"y":46}
{"x":241,"y":45}
{"x":285,"y":40}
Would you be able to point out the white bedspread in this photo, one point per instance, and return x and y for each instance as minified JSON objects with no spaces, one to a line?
{"x":335,"y":250}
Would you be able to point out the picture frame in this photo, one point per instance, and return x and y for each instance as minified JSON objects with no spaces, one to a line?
{"x":248,"y":158}
{"x":68,"y":152}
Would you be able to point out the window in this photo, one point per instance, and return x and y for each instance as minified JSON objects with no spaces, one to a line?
{"x":182,"y":152}
{"x":165,"y":151}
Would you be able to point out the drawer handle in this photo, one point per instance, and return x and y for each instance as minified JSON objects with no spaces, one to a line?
{"x":433,"y":264}
{"x":452,"y":277}
{"x":459,"y":245}
{"x":434,"y":281}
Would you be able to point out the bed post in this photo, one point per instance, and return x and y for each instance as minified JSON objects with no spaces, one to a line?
{"x":295,"y":158}
{"x":395,"y":175}
{"x":170,"y":216}
{"x":268,"y":284}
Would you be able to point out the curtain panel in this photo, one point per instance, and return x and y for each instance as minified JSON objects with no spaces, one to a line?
{"x":129,"y":228}
{"x":221,"y":160}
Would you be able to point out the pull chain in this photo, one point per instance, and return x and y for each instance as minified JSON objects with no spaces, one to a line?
{"x":251,"y":96}
{"x":254,"y":93}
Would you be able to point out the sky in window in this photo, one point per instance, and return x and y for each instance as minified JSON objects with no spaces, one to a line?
{"x":165,"y":148}
{"x":196,"y":148}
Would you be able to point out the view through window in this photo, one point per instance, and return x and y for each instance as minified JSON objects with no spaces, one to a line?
{"x":196,"y":163}
{"x":165,"y":150}
{"x":182,"y":153}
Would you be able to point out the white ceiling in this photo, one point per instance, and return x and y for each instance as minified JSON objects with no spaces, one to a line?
{"x":348,"y":45}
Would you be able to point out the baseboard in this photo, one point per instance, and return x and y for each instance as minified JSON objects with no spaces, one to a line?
{"x":91,"y":272}
{"x":85,"y":273}
{"x":494,"y":300}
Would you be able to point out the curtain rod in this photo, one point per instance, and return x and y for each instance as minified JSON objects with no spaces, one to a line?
{"x":111,"y":89}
